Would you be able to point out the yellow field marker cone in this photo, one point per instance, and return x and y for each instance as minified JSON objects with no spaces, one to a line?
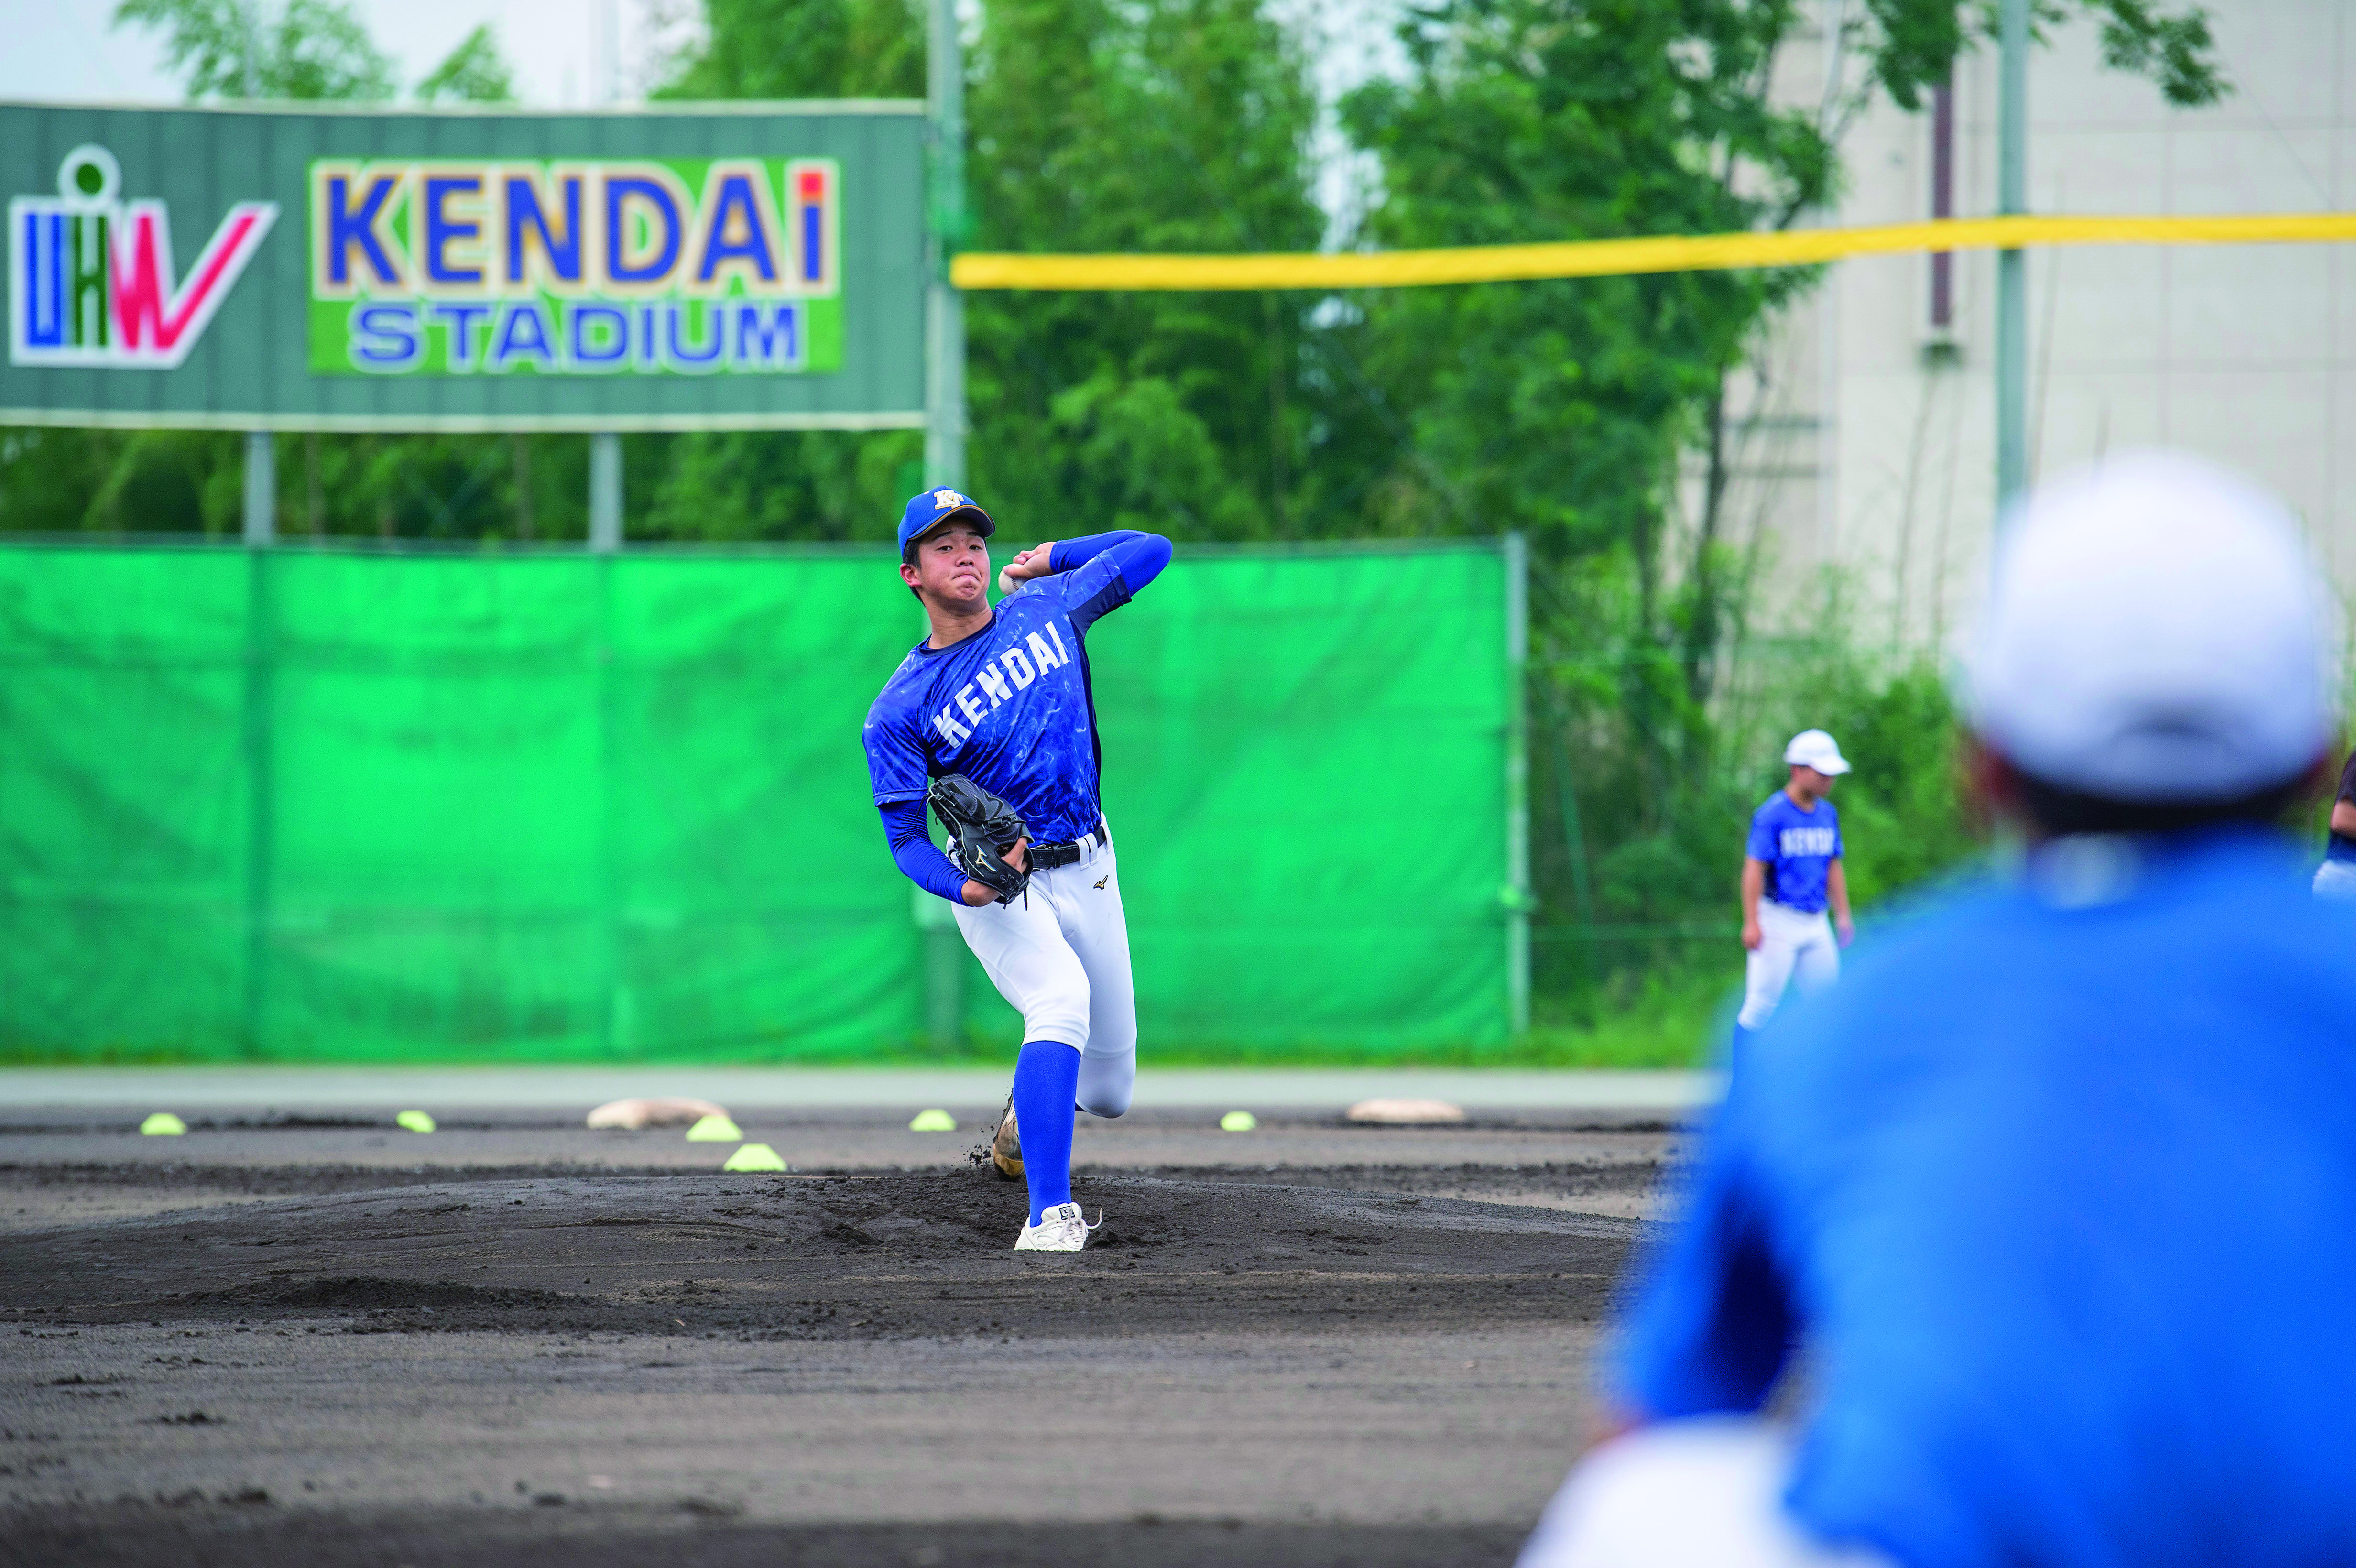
{"x":1238,"y":1121}
{"x":755,"y":1156}
{"x":415,"y":1120}
{"x":713,"y":1130}
{"x":933,"y":1122}
{"x":163,"y":1125}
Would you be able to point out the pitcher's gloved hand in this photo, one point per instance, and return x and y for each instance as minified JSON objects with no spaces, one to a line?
{"x":982,"y":829}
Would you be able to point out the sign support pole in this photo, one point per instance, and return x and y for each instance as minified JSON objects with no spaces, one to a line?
{"x":605,"y":492}
{"x":944,"y":947}
{"x":2012,"y":265}
{"x":260,"y":488}
{"x":944,"y":307}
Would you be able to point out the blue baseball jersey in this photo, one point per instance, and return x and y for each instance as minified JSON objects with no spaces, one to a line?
{"x":2060,"y":1194}
{"x":1798,"y":848}
{"x":1010,"y":707}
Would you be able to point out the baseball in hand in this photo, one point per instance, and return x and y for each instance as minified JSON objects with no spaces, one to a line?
{"x":1026,"y":565}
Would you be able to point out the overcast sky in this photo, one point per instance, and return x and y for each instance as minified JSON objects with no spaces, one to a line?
{"x":65,"y":50}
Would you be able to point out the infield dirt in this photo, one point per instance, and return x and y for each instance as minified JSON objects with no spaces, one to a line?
{"x":307,"y":1360}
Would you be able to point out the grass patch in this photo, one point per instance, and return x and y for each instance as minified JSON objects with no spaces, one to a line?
{"x":1671,"y":1023}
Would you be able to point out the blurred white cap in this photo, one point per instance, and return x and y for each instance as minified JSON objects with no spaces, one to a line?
{"x":1815,"y":749}
{"x":2156,"y":631}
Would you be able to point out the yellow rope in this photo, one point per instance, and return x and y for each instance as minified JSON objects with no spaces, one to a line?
{"x":1597,"y":258}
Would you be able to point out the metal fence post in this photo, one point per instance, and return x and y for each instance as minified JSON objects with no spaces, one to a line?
{"x":944,"y":228}
{"x":943,"y":969}
{"x":616,"y":1021}
{"x":1518,"y":901}
{"x":944,"y":947}
{"x":2012,"y":265}
{"x":260,"y":531}
{"x":615,"y":1030}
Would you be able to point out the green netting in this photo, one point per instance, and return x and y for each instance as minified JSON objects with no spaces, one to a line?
{"x":309,"y":805}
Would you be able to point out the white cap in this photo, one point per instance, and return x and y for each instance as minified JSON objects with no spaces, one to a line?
{"x":2156,"y":631}
{"x":1815,"y":749}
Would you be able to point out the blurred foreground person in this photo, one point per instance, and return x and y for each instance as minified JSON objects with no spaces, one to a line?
{"x":2053,"y":1201}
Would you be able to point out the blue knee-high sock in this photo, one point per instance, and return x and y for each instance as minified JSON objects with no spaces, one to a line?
{"x":1046,"y":1076}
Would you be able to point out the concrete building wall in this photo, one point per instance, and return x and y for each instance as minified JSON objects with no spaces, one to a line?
{"x":1869,"y":439}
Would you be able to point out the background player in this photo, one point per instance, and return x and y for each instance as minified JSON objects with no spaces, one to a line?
{"x":1002,"y":697}
{"x":1791,"y":870}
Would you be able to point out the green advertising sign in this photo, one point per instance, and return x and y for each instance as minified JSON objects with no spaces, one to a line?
{"x":738,"y":266}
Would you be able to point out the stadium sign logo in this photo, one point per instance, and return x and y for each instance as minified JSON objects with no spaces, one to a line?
{"x":91,"y":279}
{"x":579,"y":268}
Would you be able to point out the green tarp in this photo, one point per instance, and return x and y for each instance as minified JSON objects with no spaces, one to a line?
{"x":303,"y":805}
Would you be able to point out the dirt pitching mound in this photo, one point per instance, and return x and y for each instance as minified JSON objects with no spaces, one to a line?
{"x":875,"y":1256}
{"x":369,"y":1293}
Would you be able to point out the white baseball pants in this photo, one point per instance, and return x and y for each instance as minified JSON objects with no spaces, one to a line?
{"x":1062,"y":961}
{"x":1701,"y":1493}
{"x":2335,"y":879}
{"x":1793,"y":945}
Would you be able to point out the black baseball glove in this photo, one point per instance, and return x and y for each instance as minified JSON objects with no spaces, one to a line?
{"x":981,"y":828}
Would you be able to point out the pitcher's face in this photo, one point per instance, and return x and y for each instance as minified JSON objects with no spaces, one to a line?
{"x":952,"y":568}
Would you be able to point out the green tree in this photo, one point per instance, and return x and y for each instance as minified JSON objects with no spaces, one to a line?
{"x":786,"y":485}
{"x":804,"y":49}
{"x":474,"y":72}
{"x":728,"y":486}
{"x":1181,"y":125}
{"x":1178,"y":125}
{"x":1908,"y":45}
{"x":233,"y":48}
{"x":1591,"y":415}
{"x":1565,"y":407}
{"x":109,"y":481}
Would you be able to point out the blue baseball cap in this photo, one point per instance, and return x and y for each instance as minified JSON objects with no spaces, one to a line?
{"x":928,"y":509}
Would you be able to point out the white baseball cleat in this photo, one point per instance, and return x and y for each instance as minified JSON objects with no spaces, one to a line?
{"x":1060,"y":1230}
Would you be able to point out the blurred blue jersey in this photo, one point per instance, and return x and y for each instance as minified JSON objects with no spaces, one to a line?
{"x":1798,"y":848}
{"x":1010,"y":707}
{"x":2062,"y":1199}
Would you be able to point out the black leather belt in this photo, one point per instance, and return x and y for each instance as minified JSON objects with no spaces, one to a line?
{"x":1047,"y":857}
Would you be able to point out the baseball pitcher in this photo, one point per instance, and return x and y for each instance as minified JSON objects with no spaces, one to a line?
{"x":991,"y":720}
